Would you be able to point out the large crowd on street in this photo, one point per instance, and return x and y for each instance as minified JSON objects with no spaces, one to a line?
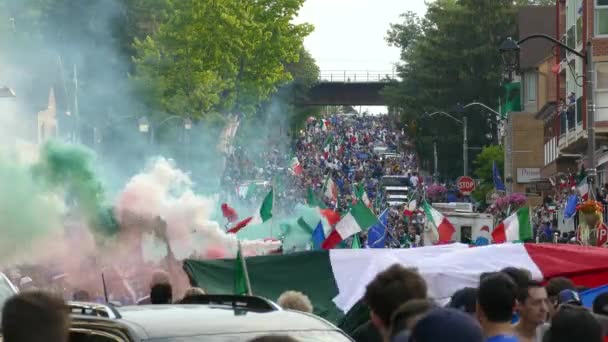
{"x":352,"y":153}
{"x":506,"y":306}
{"x":349,"y":151}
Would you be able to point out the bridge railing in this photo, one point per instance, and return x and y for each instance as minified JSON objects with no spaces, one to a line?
{"x":357,"y":76}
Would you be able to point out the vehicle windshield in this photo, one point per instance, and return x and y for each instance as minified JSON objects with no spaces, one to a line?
{"x":303,"y":336}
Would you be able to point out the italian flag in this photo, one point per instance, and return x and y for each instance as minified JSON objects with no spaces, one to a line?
{"x":324,"y":124}
{"x":515,"y":228}
{"x":361,"y":195}
{"x":335,"y":280}
{"x":331,"y":189}
{"x":296,"y":167}
{"x":265,"y":212}
{"x":438,"y":228}
{"x":358,"y":219}
{"x":583,"y":188}
{"x":410,"y":210}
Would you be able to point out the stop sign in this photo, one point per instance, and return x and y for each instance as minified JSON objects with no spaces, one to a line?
{"x":465,"y":184}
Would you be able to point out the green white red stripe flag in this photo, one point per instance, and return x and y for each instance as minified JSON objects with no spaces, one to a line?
{"x":296,"y":167}
{"x":359,"y":218}
{"x":515,"y":228}
{"x":265,"y":212}
{"x":331,"y":189}
{"x":338,"y":277}
{"x":438,"y":228}
{"x":361,"y":194}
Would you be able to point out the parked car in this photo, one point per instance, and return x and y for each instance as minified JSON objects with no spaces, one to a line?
{"x":7,"y":290}
{"x":201,"y":318}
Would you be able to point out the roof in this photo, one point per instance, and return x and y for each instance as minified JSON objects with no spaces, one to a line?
{"x":160,"y":321}
{"x":535,"y":20}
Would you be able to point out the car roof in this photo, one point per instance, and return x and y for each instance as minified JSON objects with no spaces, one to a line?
{"x":161,"y":321}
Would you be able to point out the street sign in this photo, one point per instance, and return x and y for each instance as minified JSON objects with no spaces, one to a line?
{"x":465,"y":184}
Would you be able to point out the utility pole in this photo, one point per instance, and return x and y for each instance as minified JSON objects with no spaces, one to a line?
{"x":435,"y":172}
{"x":465,"y":147}
{"x":76,"y":111}
{"x":591,"y":171}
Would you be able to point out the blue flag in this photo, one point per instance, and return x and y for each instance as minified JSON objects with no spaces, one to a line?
{"x":587,"y":297}
{"x":318,"y":236}
{"x":570,"y":209}
{"x":498,"y":184}
{"x":376,"y":235}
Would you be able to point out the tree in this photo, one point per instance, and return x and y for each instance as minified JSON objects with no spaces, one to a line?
{"x":450,"y":56}
{"x":484,"y":163}
{"x":229,"y":62}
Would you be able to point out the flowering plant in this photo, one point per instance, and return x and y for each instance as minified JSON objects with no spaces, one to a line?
{"x":590,"y":207}
{"x":436,"y":191}
{"x":502,"y":204}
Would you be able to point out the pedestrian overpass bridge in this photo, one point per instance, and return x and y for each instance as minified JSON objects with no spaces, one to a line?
{"x":348,"y":87}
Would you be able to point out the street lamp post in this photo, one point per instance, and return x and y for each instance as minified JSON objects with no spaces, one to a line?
{"x":465,"y":141}
{"x":145,"y":126}
{"x":465,"y":126}
{"x":435,"y":171}
{"x":509,"y":50}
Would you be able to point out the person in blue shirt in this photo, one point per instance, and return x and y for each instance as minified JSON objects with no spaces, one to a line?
{"x":496,"y":299}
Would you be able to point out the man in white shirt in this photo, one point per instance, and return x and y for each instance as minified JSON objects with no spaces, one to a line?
{"x":414,"y":180}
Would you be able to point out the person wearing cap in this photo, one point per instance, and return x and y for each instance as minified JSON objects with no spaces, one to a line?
{"x":570,"y":297}
{"x":533,"y":309}
{"x":496,"y":298}
{"x":446,"y":324}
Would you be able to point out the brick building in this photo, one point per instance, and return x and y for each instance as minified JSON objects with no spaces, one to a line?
{"x":580,"y":24}
{"x":524,"y":141}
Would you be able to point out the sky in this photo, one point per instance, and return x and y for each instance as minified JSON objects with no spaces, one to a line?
{"x":349,"y":34}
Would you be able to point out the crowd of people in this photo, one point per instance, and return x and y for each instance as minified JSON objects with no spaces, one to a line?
{"x":507,"y":306}
{"x":346,"y":152}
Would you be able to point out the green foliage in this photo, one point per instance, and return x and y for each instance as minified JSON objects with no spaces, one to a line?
{"x":450,"y":56}
{"x":484,"y":169}
{"x":222,"y":55}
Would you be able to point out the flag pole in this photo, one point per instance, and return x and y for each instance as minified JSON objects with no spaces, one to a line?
{"x":244,"y":265}
{"x":273,"y":204}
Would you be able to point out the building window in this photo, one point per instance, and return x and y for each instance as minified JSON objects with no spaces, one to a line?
{"x":531,"y":86}
{"x":601,"y":91}
{"x":601,"y":17}
{"x":601,"y":81}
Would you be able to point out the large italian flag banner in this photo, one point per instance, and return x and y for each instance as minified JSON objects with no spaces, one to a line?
{"x":335,"y":280}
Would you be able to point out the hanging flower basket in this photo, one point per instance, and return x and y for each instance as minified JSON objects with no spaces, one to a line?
{"x":590,"y":207}
{"x":436,"y":192}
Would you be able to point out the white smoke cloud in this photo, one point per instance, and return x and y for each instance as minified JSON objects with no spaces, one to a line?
{"x":166,"y":192}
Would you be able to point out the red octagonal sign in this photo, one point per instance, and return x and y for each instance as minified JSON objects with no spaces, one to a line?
{"x":466,"y":184}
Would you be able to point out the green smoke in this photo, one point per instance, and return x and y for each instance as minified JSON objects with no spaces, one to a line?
{"x":70,"y":168}
{"x":27,"y":212}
